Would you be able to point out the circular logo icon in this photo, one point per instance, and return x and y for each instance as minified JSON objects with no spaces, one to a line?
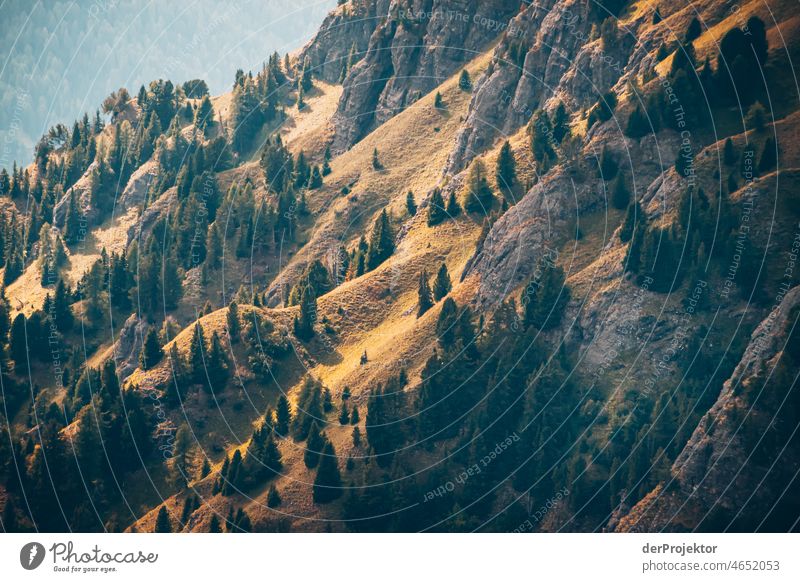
{"x":31,"y":555}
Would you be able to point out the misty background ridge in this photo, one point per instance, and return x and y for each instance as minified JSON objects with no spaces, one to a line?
{"x":61,"y":58}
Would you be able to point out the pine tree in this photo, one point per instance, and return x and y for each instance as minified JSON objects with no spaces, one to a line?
{"x":356,"y":435}
{"x":217,"y":367}
{"x":560,"y":123}
{"x":729,"y":155}
{"x":506,"y":172}
{"x":608,"y":165}
{"x":273,"y":497}
{"x":381,"y":243}
{"x":424,"y":296}
{"x":479,"y":196}
{"x":453,"y":208}
{"x":304,"y":323}
{"x":620,"y":197}
{"x":769,"y":158}
{"x":436,"y":209}
{"x":544,"y":300}
{"x":283,"y":416}
{"x":197,"y":355}
{"x":151,"y":350}
{"x":314,"y":445}
{"x":438,"y":101}
{"x":637,"y":126}
{"x":464,"y":81}
{"x":213,"y":525}
{"x":411,"y":205}
{"x":376,"y":162}
{"x":354,"y":416}
{"x":442,"y":284}
{"x":232,"y":317}
{"x":163,"y":523}
{"x":344,"y":415}
{"x":328,"y":482}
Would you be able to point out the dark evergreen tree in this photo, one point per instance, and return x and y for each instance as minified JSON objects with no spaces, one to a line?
{"x":436,"y":208}
{"x":328,"y":482}
{"x":479,"y":196}
{"x":424,"y":295}
{"x":506,"y":172}
{"x":151,"y":350}
{"x":163,"y":522}
{"x":442,"y":284}
{"x":411,"y":206}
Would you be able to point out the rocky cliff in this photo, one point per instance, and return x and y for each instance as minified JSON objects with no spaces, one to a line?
{"x":737,"y":472}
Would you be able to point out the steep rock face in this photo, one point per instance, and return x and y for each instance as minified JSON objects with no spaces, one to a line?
{"x":538,"y":222}
{"x":346,"y":29}
{"x":742,"y":457}
{"x":529,"y":63}
{"x":418,"y":46}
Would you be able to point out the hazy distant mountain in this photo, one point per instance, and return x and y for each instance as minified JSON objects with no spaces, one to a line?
{"x":62,"y":58}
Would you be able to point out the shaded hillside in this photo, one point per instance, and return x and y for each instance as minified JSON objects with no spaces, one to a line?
{"x":452,"y":266}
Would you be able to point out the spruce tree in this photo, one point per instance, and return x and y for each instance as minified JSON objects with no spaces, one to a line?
{"x":411,"y":205}
{"x":729,"y":155}
{"x":151,"y":350}
{"x":197,"y":355}
{"x":436,"y":209}
{"x":506,"y":172}
{"x":424,"y":296}
{"x":217,"y":364}
{"x":213,"y":525}
{"x":442,"y":284}
{"x":232,"y":317}
{"x":381,"y":243}
{"x":304,"y":323}
{"x":328,"y":482}
{"x":344,"y":414}
{"x":453,"y":208}
{"x":354,"y":416}
{"x":464,"y":81}
{"x":273,"y":497}
{"x":163,"y":523}
{"x":283,"y":416}
{"x":479,"y":196}
{"x":620,"y":197}
{"x":314,"y":445}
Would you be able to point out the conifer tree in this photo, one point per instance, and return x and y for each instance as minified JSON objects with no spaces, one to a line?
{"x":304,"y":323}
{"x":424,"y":296}
{"x":453,"y":208}
{"x":197,"y":355}
{"x":273,"y":497}
{"x":411,"y":205}
{"x":314,"y":445}
{"x":381,"y":243}
{"x":328,"y":482}
{"x":442,"y":284}
{"x":464,"y":81}
{"x":163,"y":523}
{"x":151,"y":350}
{"x":376,"y":162}
{"x":283,"y":416}
{"x":436,"y":208}
{"x":354,"y":417}
{"x":545,"y":299}
{"x":213,"y":525}
{"x":344,"y":414}
{"x":479,"y":196}
{"x":232,"y":317}
{"x":506,"y":172}
{"x":620,"y":197}
{"x":217,"y":367}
